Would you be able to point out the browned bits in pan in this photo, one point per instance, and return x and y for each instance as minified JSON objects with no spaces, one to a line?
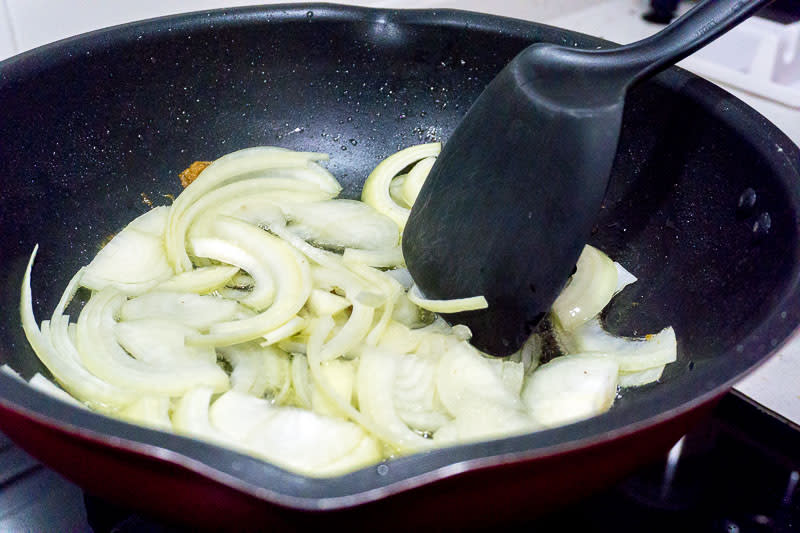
{"x":191,"y":173}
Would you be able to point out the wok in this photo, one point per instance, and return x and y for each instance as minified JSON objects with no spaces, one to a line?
{"x":96,"y":127}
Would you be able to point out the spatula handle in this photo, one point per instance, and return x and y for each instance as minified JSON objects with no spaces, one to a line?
{"x":698,"y":27}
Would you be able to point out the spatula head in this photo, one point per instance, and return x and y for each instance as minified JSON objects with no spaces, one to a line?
{"x":511,"y":200}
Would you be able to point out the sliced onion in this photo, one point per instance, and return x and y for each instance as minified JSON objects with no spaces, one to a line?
{"x":484,"y":422}
{"x":290,"y":328}
{"x":399,"y":338}
{"x":293,"y":438}
{"x":93,"y":391}
{"x":415,"y":179}
{"x":456,"y":305}
{"x":236,"y":414}
{"x":11,"y":372}
{"x":331,"y":358}
{"x":351,"y":335}
{"x":132,"y":262}
{"x":323,"y":303}
{"x":311,"y":444}
{"x":387,"y":257}
{"x":261,"y":371}
{"x":301,"y":380}
{"x":376,"y":188}
{"x":377,"y":373}
{"x":232,"y":167}
{"x":511,"y":373}
{"x":160,"y":341}
{"x":259,"y":201}
{"x":255,"y":264}
{"x":624,"y":277}
{"x":104,"y":357}
{"x":200,"y":280}
{"x":153,"y":222}
{"x":66,"y":365}
{"x":330,"y":271}
{"x":190,"y":417}
{"x":68,"y":294}
{"x":291,"y":275}
{"x":151,"y":411}
{"x":401,"y":275}
{"x":43,"y":384}
{"x":640,"y":378}
{"x":530,"y":354}
{"x":396,"y":190}
{"x":632,"y":354}
{"x":414,"y":393}
{"x":196,"y":311}
{"x":340,"y":376}
{"x":342,"y":223}
{"x":390,"y":290}
{"x":571,"y":388}
{"x":320,"y":329}
{"x":465,"y":377}
{"x":406,"y":312}
{"x":588,"y":291}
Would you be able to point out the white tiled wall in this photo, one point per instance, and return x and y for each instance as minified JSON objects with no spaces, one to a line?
{"x":26,"y":24}
{"x":8,"y":46}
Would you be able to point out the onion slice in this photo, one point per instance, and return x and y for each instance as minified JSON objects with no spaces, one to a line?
{"x":104,"y":357}
{"x":376,"y":188}
{"x":377,"y":373}
{"x":132,"y":262}
{"x":632,"y":354}
{"x":263,"y":292}
{"x":415,"y":179}
{"x":231,"y":167}
{"x":571,"y":388}
{"x":291,"y":275}
{"x":456,"y":305}
{"x":66,"y":367}
{"x":589,"y":290}
{"x":200,"y":280}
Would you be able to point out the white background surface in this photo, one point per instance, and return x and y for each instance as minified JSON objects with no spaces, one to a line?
{"x":25,"y":24}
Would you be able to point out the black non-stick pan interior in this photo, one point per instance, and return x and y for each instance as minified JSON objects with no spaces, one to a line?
{"x":702,"y":207}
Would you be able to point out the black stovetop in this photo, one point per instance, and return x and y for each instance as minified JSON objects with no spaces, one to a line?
{"x":740,"y":472}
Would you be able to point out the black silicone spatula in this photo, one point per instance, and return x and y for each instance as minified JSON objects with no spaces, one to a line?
{"x":512,"y":198}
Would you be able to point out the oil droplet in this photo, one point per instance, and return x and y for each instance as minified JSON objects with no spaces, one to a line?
{"x":762,"y":224}
{"x":309,"y":14}
{"x":731,"y":527}
{"x":353,"y":142}
{"x":747,"y":199}
{"x":343,"y":147}
{"x":746,"y":204}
